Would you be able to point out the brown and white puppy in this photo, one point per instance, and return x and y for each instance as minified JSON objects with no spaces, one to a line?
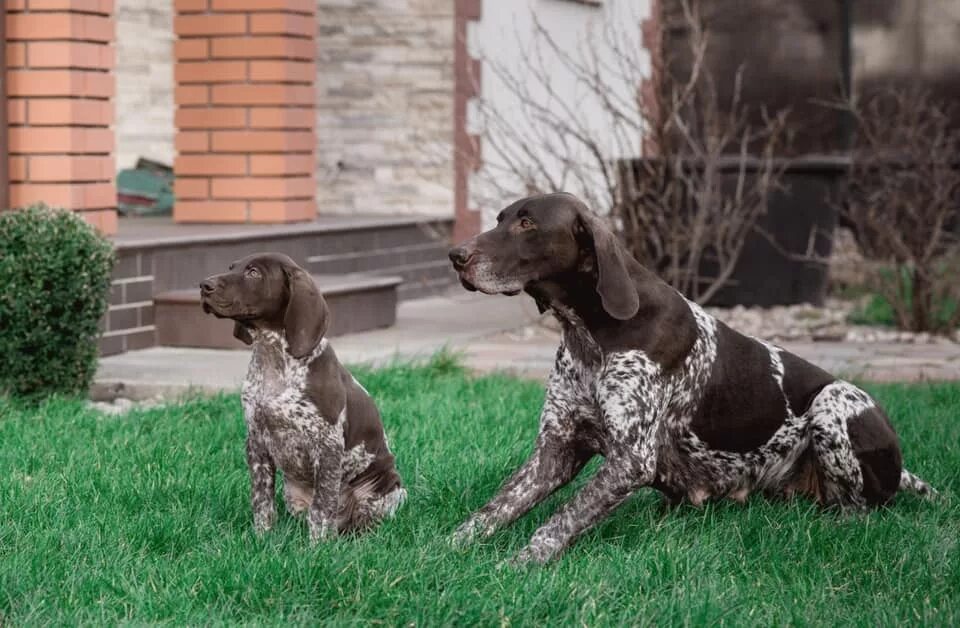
{"x":670,"y":397}
{"x":306,"y":415}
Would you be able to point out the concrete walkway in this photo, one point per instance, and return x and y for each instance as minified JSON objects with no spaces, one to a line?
{"x":493,"y":333}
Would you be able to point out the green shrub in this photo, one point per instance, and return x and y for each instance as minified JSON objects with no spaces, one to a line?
{"x":54,"y":281}
{"x":875,"y":310}
{"x":889,"y":283}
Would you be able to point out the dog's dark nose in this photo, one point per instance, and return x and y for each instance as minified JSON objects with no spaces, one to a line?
{"x":207,"y":286}
{"x":459,"y":256}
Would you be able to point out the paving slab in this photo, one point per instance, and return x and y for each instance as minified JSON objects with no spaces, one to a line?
{"x":884,"y":361}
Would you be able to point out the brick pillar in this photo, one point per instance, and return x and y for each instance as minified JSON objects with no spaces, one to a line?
{"x":60,"y":87}
{"x":245,"y":96}
{"x":652,"y":39}
{"x":467,"y":156}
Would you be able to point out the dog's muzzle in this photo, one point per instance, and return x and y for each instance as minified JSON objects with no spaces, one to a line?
{"x":460,"y":257}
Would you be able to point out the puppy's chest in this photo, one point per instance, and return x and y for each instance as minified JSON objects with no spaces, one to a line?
{"x":273,"y":391}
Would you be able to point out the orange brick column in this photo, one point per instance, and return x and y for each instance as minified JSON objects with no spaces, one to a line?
{"x":60,"y":87}
{"x":245,"y":119}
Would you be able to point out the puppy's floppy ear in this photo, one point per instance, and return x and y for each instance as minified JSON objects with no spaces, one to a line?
{"x":306,"y":320}
{"x":241,"y":333}
{"x":614,"y":285}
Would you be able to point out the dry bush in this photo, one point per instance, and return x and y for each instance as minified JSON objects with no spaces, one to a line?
{"x":688,"y":205}
{"x":688,"y":210}
{"x":903,"y":205}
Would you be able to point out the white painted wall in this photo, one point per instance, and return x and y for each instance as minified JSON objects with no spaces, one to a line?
{"x":514,"y":54}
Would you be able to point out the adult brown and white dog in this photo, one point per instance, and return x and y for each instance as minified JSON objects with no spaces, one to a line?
{"x":668,"y":395}
{"x":305,"y":414}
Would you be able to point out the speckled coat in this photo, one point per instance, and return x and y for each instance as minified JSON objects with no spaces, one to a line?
{"x":312,"y":421}
{"x":669,"y":396}
{"x":306,"y":416}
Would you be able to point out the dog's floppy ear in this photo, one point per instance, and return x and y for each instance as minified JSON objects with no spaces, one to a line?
{"x":307,"y":317}
{"x":241,"y":333}
{"x":614,"y":285}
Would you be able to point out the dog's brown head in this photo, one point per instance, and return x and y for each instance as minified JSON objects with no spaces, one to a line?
{"x":543,"y":237}
{"x":269,"y":291}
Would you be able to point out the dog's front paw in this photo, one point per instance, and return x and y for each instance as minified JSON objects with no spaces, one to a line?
{"x":469,"y":531}
{"x":262,"y":522}
{"x":322,"y":530}
{"x":539,"y":552}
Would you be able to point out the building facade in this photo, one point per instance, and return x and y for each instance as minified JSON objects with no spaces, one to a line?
{"x":269,"y":110}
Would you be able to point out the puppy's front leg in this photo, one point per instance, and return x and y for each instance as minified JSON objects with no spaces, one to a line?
{"x":631,"y":395}
{"x":262,"y":479}
{"x":327,"y":471}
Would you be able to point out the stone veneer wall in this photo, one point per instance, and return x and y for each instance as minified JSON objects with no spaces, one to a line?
{"x":385,"y":106}
{"x":144,"y":75}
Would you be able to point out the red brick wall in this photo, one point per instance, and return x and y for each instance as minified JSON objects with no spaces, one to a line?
{"x":245,"y":95}
{"x":60,"y":88}
{"x":653,"y":42}
{"x":466,"y":146}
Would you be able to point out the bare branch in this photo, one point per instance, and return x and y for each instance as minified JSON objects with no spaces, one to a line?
{"x":902,"y":203}
{"x":686,"y":212}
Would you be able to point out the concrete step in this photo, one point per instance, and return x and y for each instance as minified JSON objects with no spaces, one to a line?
{"x":358,"y":302}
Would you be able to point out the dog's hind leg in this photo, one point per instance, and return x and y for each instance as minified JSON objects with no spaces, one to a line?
{"x":361,"y":508}
{"x":857,"y":452}
{"x":910,"y":482}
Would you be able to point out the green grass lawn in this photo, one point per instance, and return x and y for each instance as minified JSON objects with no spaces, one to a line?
{"x":145,"y":519}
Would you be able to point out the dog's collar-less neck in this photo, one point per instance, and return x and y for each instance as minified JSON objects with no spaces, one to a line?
{"x":572,"y":293}
{"x":567,"y":289}
{"x":574,"y":302}
{"x":278,"y":339}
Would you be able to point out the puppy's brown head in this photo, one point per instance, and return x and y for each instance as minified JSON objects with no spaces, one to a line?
{"x":269,"y":291}
{"x":543,"y":237}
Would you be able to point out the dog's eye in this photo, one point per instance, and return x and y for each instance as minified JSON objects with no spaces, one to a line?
{"x":526,"y":223}
{"x":253,"y":273}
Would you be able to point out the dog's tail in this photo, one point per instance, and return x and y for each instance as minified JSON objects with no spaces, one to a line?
{"x":910,"y":482}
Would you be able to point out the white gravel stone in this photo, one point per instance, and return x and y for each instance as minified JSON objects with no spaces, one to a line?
{"x":122,"y":405}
